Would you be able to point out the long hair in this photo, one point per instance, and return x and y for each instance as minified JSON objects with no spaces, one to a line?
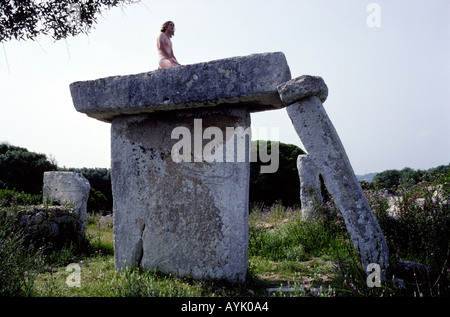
{"x":165,"y":25}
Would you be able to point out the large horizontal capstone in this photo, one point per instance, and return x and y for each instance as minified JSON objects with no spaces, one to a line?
{"x":249,"y":81}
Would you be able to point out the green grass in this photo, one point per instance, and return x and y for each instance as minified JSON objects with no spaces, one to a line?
{"x":280,"y":233}
{"x":270,"y":270}
{"x":287,"y":255}
{"x":280,"y":229}
{"x":98,"y":278}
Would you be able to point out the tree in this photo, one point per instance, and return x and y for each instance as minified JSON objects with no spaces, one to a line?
{"x":411,"y":175}
{"x":23,"y":170}
{"x":283,"y":185}
{"x":101,"y":197}
{"x":388,"y":179}
{"x":26,"y":19}
{"x":441,"y":169}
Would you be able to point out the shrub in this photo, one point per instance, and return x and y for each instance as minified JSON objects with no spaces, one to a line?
{"x":417,"y":230}
{"x":97,"y":201}
{"x":280,"y":233}
{"x":100,"y":197}
{"x":22,"y":169}
{"x":387,"y":179}
{"x":19,"y":262}
{"x":106,"y":221}
{"x":13,"y":198}
{"x":423,"y":217}
{"x":283,"y":185}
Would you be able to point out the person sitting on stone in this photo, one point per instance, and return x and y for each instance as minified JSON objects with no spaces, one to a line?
{"x":164,"y":44}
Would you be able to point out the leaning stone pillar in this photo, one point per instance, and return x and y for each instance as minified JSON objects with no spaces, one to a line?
{"x":180,"y":194}
{"x":303,"y":97}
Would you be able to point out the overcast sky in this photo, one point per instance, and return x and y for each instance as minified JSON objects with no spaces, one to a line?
{"x":387,"y":68}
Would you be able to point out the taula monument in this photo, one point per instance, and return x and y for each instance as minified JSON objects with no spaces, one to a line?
{"x":180,"y":161}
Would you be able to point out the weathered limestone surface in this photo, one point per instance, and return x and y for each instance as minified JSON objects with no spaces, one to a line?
{"x":309,"y":185}
{"x":301,"y":87}
{"x":68,"y":188}
{"x":187,"y":218}
{"x":191,"y":218}
{"x":249,"y":80}
{"x":183,"y":218}
{"x":323,"y":144}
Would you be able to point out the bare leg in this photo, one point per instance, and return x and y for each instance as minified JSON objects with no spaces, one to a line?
{"x":165,"y":63}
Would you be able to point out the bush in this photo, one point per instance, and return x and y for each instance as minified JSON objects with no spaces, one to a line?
{"x":418,"y":228}
{"x":423,"y":220}
{"x":417,"y":231}
{"x":387,"y":179}
{"x":290,"y":237}
{"x":100,"y":197}
{"x":19,"y":261}
{"x":97,"y":201}
{"x":44,"y":225}
{"x":22,"y":169}
{"x":390,"y":179}
{"x":283,"y":185}
{"x":13,"y":198}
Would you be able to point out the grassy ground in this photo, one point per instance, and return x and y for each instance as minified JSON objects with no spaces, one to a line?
{"x":266,"y":275}
{"x":288,"y":256}
{"x":269,"y":271}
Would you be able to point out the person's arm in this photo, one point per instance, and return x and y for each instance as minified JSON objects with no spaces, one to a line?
{"x":174,"y":59}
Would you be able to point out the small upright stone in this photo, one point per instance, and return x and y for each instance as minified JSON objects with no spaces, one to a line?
{"x":68,"y":188}
{"x":310,"y":193}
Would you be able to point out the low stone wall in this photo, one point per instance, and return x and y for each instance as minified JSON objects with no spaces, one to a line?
{"x":61,"y":219}
{"x":57,"y":225}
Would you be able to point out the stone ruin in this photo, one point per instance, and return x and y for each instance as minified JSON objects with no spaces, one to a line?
{"x":181,"y":197}
{"x":61,"y":219}
{"x":68,"y":188}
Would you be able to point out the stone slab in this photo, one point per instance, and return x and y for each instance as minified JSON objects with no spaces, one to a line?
{"x":301,"y":87}
{"x":248,"y":80}
{"x":186,"y":218}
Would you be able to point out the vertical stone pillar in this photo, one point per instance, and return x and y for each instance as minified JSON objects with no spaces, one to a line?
{"x":310,"y":194}
{"x":186,"y":218}
{"x":305,"y":95}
